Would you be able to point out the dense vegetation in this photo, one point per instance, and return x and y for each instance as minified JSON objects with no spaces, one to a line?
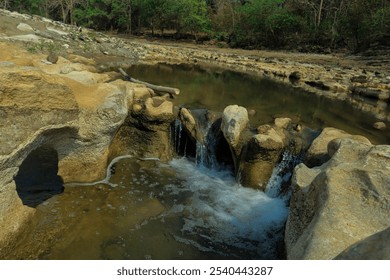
{"x":354,"y":24}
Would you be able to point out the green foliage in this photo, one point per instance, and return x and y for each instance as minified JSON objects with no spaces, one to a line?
{"x":242,"y":23}
{"x":265,"y":22}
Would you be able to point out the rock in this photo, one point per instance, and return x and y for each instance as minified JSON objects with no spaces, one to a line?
{"x":282,"y":122}
{"x":234,"y":121}
{"x":189,"y":123}
{"x":30,"y":38}
{"x":259,"y":157}
{"x":159,"y":109}
{"x":359,"y":79}
{"x":371,"y":93}
{"x":87,"y":77}
{"x":379,"y":125}
{"x":25,"y":27}
{"x":40,"y":110}
{"x":318,"y":85}
{"x":374,"y":247}
{"x":52,"y":57}
{"x":198,"y":123}
{"x":295,"y":75}
{"x":339,"y":203}
{"x":318,"y":151}
{"x":251,"y":112}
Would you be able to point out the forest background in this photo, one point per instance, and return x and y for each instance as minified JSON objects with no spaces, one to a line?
{"x":303,"y":25}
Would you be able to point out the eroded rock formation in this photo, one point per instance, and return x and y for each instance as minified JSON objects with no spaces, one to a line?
{"x":72,"y":111}
{"x":340,"y":202}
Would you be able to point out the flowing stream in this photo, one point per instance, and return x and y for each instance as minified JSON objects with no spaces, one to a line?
{"x":190,"y":207}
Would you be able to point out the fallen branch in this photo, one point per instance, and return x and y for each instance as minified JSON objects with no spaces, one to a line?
{"x":172,"y":91}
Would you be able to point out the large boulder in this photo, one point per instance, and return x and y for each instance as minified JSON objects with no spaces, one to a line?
{"x":146,"y":131}
{"x":374,"y":247}
{"x":40,"y":111}
{"x":339,"y":203}
{"x":234,"y":121}
{"x":318,"y":151}
{"x":263,"y":151}
{"x":259,"y":157}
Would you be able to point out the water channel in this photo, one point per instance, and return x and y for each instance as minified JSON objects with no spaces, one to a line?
{"x":181,"y":209}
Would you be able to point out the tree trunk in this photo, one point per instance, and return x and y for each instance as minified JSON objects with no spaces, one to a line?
{"x":171,"y":91}
{"x":320,"y":12}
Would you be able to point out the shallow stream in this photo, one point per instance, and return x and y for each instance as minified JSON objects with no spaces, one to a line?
{"x":182,"y":209}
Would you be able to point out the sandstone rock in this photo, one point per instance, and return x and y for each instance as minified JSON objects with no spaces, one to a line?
{"x":25,"y":27}
{"x":379,"y":125}
{"x":30,"y":38}
{"x":318,"y":151}
{"x":259,"y":157}
{"x":374,"y":247}
{"x":159,"y":109}
{"x":340,"y":202}
{"x":76,"y":121}
{"x":87,"y":77}
{"x":189,"y":123}
{"x":234,"y":121}
{"x":282,"y":122}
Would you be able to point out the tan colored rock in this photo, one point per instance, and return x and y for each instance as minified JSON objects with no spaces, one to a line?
{"x":234,"y":121}
{"x":374,"y":247}
{"x":339,"y":203}
{"x":75,"y":120}
{"x":379,"y":125}
{"x":318,"y":151}
{"x":259,"y":157}
{"x":158,"y":108}
{"x":188,"y":122}
{"x":282,"y":122}
{"x":25,"y":27}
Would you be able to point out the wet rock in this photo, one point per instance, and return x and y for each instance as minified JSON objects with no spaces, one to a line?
{"x":374,"y":247}
{"x":259,"y":157}
{"x":189,"y":123}
{"x":339,"y":203}
{"x":318,"y":151}
{"x":379,"y":125}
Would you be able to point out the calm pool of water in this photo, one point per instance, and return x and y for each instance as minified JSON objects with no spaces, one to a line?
{"x":216,"y":89}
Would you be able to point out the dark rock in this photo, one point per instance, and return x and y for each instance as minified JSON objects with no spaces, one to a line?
{"x":52,"y":57}
{"x":359,"y":79}
{"x":295,"y":76}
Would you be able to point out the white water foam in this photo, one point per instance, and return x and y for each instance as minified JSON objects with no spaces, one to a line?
{"x":221,"y":212}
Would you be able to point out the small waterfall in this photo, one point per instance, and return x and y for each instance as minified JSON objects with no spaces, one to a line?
{"x":206,"y":152}
{"x":281,"y":175}
{"x":177,"y":130}
{"x":204,"y":148}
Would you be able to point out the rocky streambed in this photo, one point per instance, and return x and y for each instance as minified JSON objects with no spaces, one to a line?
{"x":84,"y":118}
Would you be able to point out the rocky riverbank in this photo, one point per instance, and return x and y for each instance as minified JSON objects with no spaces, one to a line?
{"x":56,"y":94}
{"x":362,"y":80}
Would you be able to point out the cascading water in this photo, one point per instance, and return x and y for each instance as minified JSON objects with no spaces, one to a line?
{"x":281,"y":175}
{"x":221,"y":215}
